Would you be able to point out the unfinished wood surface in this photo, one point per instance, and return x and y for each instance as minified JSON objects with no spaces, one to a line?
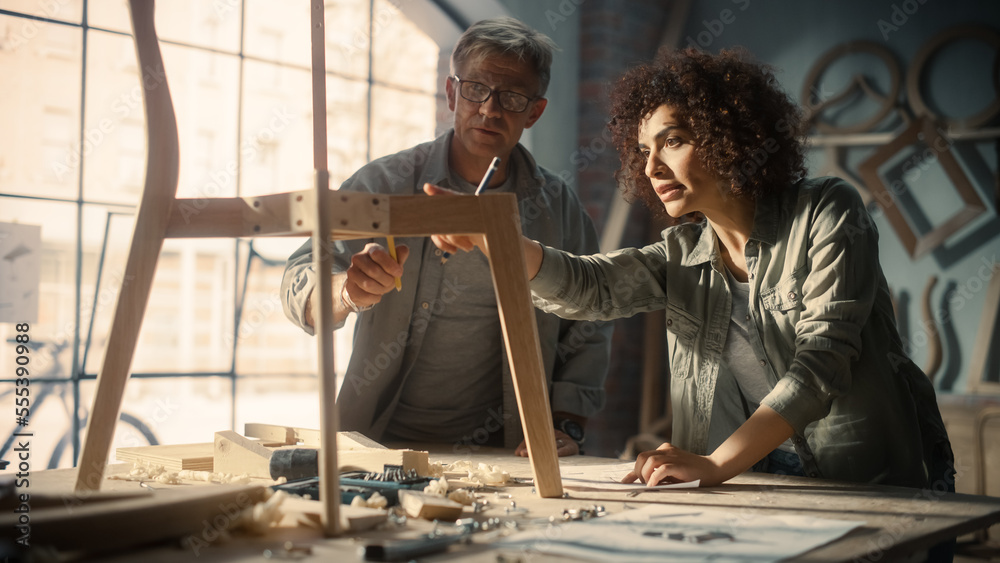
{"x":185,"y":513}
{"x":429,"y":507}
{"x":151,"y":222}
{"x":329,"y":477}
{"x":287,"y":435}
{"x":421,"y":215}
{"x":898,"y":521}
{"x":237,"y":455}
{"x":177,"y":457}
{"x":290,"y":435}
{"x":356,"y":441}
{"x":502,"y":226}
{"x":351,"y":214}
{"x":353,"y":519}
{"x":376,"y":460}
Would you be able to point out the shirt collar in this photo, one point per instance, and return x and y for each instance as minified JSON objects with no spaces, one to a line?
{"x":765,"y":230}
{"x":527,"y":176}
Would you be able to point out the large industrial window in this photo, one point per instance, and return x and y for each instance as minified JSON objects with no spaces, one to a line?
{"x":215,"y":350}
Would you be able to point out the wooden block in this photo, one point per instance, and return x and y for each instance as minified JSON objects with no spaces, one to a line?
{"x":237,"y":455}
{"x":376,"y":460}
{"x":194,"y":457}
{"x":288,"y":435}
{"x":428,"y":507}
{"x":356,"y":441}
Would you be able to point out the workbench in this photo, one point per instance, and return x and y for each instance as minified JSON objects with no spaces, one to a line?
{"x":897,"y":521}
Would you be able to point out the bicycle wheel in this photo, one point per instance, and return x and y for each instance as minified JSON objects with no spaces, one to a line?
{"x":133,"y":423}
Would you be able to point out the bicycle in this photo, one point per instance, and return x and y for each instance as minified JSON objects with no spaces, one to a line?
{"x":49,"y":385}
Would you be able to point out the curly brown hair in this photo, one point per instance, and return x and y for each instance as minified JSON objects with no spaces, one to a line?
{"x":746,"y":128}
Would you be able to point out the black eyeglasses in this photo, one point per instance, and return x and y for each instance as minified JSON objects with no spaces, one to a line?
{"x":478,"y":92}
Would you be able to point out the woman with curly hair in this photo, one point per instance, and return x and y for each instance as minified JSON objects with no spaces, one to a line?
{"x":784,"y":355}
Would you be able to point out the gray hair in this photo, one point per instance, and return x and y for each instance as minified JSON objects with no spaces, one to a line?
{"x":506,"y":36}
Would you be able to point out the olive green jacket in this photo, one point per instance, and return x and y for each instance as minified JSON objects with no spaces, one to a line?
{"x":823,"y":327}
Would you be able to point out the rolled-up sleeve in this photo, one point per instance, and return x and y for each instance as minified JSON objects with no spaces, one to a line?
{"x":838,"y":293}
{"x":297,"y":284}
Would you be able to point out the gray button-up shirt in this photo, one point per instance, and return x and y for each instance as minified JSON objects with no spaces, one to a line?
{"x":388,"y":338}
{"x":822,"y":326}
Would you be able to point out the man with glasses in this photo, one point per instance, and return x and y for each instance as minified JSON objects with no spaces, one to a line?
{"x":429,"y":363}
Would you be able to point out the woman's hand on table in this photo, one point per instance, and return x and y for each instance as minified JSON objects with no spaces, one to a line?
{"x":670,"y":464}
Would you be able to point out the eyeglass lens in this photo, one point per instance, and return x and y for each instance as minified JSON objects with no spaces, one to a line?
{"x":479,"y":93}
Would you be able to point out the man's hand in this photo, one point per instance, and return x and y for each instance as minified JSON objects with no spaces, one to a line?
{"x":453,"y":243}
{"x":373,"y":273}
{"x":669,"y":464}
{"x":564,"y":446}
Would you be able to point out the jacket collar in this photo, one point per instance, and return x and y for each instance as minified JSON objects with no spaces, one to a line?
{"x":765,"y":230}
{"x":528,"y":178}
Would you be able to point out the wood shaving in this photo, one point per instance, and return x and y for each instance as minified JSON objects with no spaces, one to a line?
{"x":376,"y":500}
{"x":438,"y":488}
{"x":483,"y":474}
{"x":142,"y":471}
{"x":258,"y":518}
{"x":462,"y":496}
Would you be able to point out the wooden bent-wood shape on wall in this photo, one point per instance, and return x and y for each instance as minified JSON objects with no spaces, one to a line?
{"x":325,"y":215}
{"x":923,"y":130}
{"x":985,"y":336}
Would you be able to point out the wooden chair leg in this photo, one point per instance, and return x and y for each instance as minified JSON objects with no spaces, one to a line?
{"x":510,"y":280}
{"x":152,"y":218}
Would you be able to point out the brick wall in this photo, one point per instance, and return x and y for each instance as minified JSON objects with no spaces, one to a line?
{"x":614,"y":35}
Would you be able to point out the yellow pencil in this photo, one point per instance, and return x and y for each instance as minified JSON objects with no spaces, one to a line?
{"x":392,"y":252}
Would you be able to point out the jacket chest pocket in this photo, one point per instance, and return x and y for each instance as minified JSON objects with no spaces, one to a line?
{"x":682,"y":331}
{"x":783,"y":301}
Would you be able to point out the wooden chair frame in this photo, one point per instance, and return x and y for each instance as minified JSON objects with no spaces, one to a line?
{"x":321,"y":213}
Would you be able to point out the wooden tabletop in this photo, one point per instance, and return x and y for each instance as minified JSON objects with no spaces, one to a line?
{"x":897,"y":521}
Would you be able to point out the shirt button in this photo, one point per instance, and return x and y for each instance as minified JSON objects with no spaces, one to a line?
{"x":813,"y":474}
{"x":748,"y":317}
{"x":763,"y":363}
{"x":670,"y":322}
{"x":751,"y":275}
{"x":425,"y":305}
{"x":437,"y":252}
{"x":791,"y":295}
